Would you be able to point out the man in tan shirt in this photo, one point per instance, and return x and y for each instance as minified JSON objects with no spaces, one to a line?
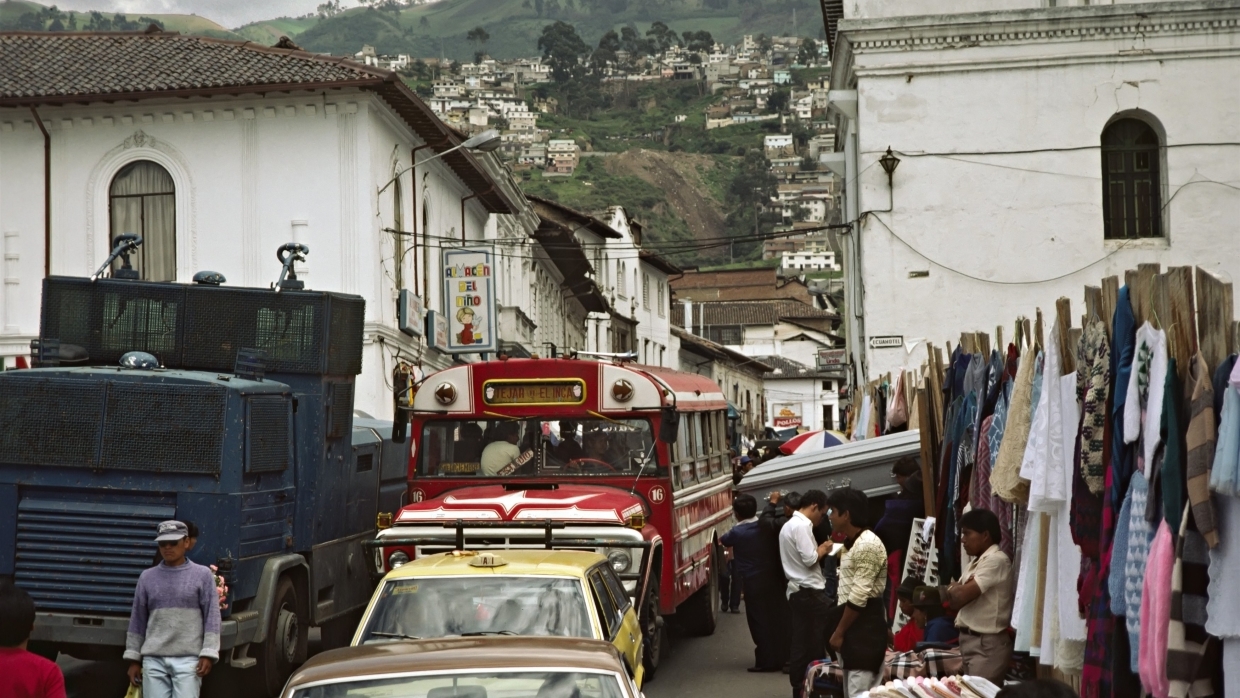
{"x":983,"y":598}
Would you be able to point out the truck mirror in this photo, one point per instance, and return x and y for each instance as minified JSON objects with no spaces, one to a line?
{"x":669,"y":425}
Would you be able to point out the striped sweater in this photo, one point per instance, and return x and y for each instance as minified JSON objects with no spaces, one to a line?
{"x":176,"y":613}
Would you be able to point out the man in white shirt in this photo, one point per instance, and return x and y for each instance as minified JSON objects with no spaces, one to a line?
{"x":502,"y":457}
{"x":807,"y":603}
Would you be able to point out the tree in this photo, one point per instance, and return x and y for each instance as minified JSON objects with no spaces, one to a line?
{"x":331,"y":8}
{"x":632,"y":42}
{"x":808,"y":53}
{"x":479,"y":36}
{"x":699,"y":41}
{"x":424,"y":22}
{"x":608,"y":45}
{"x":563,"y":48}
{"x":777,"y":101}
{"x":663,"y":37}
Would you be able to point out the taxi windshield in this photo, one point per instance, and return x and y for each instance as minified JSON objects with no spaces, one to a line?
{"x":537,"y":448}
{"x":484,"y":684}
{"x":427,"y":607}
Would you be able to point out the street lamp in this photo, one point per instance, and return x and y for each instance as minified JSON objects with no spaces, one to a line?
{"x":484,"y":142}
{"x":889,"y":162}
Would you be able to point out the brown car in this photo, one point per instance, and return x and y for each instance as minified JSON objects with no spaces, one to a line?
{"x":467,"y":667}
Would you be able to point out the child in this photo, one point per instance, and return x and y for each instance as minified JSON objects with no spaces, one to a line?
{"x":26,"y":675}
{"x":906,"y":640}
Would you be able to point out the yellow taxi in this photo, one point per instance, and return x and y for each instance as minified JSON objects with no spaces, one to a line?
{"x":566,"y":593}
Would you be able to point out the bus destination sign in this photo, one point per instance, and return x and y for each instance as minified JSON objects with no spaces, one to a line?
{"x":547,"y":392}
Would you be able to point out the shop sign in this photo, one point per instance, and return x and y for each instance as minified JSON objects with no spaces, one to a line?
{"x":831,"y":358}
{"x":469,"y":300}
{"x":889,"y":342}
{"x":437,"y":330}
{"x":786,"y":415}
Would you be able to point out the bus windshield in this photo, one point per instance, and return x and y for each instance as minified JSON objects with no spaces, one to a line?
{"x":537,"y":447}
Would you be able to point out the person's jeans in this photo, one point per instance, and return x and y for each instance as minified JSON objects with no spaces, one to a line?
{"x":765,"y":616}
{"x":807,"y":617}
{"x":858,"y":682}
{"x":170,"y":677}
{"x":730,"y":584}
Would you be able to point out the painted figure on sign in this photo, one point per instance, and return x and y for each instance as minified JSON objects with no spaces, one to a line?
{"x":465,"y":316}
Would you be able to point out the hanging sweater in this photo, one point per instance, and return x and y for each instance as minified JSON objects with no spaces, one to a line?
{"x":1143,"y":407}
{"x":1199,"y":446}
{"x":1005,"y":479}
{"x":1191,"y":651}
{"x":1156,"y":614}
{"x":1225,"y":476}
{"x":1136,"y":562}
{"x":176,"y":613}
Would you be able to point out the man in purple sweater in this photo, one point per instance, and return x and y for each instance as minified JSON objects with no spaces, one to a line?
{"x":174,"y":629}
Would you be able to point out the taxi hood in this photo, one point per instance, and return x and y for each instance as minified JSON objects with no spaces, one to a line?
{"x":592,"y":504}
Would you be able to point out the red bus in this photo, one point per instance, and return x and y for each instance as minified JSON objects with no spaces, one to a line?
{"x":625,"y":459}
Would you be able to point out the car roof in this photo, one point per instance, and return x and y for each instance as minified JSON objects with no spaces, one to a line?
{"x":540,"y":562}
{"x":449,"y":653}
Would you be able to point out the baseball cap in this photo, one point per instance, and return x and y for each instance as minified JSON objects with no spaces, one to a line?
{"x":171,"y":530}
{"x":746,"y":459}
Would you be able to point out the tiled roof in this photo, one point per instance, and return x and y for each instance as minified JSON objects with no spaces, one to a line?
{"x":787,"y":368}
{"x":66,"y":65}
{"x":738,"y":285}
{"x":56,"y":68}
{"x":705,"y":347}
{"x":747,"y":312}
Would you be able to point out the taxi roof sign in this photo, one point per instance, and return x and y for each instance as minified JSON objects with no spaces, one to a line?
{"x":487,"y":560}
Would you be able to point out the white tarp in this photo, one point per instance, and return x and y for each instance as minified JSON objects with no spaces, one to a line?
{"x":865,"y":465}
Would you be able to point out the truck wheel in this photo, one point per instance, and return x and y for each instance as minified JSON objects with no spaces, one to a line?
{"x":654,"y":632}
{"x":285,"y":647}
{"x":697,"y":613}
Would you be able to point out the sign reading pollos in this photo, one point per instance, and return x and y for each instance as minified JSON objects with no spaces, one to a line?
{"x":469,"y":300}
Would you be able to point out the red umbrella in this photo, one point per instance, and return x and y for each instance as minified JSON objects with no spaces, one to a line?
{"x":812,"y":441}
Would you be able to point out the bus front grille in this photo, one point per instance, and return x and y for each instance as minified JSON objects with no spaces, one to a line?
{"x":85,"y":556}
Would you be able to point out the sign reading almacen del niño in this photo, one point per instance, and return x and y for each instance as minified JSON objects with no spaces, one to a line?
{"x":469,"y":300}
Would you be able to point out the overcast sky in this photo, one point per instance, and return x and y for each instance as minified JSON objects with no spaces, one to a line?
{"x":230,"y":13}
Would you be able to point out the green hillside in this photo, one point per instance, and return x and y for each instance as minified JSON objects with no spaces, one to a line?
{"x":515,"y":25}
{"x":23,"y":15}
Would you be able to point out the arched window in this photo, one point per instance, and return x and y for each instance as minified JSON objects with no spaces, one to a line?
{"x":1131,"y":181}
{"x":142,"y":200}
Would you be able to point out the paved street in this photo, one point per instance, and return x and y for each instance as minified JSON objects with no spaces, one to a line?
{"x":710,"y":667}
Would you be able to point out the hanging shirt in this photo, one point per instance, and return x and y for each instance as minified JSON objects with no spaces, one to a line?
{"x":1144,"y":403}
{"x":1156,"y":614}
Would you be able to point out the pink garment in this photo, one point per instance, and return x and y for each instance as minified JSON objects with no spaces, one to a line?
{"x":1156,"y":614}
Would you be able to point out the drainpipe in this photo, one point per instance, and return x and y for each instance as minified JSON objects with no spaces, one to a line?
{"x":471,"y":196}
{"x":47,"y":194}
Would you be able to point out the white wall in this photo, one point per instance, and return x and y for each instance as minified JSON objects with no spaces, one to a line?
{"x":1002,"y":234}
{"x":246,"y":183}
{"x":806,"y":392}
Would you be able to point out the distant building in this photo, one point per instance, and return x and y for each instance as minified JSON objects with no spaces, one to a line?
{"x":808,"y":261}
{"x":562,"y":156}
{"x":782,"y":77}
{"x":801,"y":397}
{"x":739,"y":376}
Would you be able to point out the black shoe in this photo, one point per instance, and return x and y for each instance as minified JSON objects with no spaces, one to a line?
{"x":734,"y":610}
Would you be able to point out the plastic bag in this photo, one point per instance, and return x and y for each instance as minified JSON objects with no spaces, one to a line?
{"x":135,"y":691}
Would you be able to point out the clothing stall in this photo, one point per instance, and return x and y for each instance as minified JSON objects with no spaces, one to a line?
{"x":1108,"y":445}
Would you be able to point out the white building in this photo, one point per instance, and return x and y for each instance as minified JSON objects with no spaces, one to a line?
{"x":1066,"y":144}
{"x":799,"y":396}
{"x":234,"y":168}
{"x":808,"y":261}
{"x":788,"y":328}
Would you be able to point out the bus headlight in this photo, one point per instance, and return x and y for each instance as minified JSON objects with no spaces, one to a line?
{"x":397,"y":559}
{"x":620,"y":560}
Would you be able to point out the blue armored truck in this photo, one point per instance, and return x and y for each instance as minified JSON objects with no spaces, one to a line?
{"x":229,"y":407}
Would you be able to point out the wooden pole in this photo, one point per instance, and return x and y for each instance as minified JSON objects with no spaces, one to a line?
{"x":1215,"y":314}
{"x":1182,"y":318}
{"x":1063,"y":321}
{"x":929,"y":445}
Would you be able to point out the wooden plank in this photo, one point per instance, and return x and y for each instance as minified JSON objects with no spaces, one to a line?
{"x":929,"y":447}
{"x":1159,"y":309}
{"x":1038,"y":333}
{"x":1063,"y":322}
{"x":1093,"y":304}
{"x":1110,"y":299}
{"x":1141,"y":299}
{"x":1182,"y":322}
{"x":1214,"y":316}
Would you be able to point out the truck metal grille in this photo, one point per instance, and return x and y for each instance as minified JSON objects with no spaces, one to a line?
{"x":202,"y":327}
{"x":164,"y":428}
{"x":85,"y":556}
{"x":87,"y":423}
{"x":269,"y":435}
{"x":50,"y":421}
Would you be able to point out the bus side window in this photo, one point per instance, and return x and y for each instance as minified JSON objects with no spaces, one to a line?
{"x":700,"y":450}
{"x":716,"y":444}
{"x":684,"y":450}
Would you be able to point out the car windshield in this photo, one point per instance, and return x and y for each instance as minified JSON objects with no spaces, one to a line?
{"x":508,"y":684}
{"x":537,"y":448}
{"x":427,"y":607}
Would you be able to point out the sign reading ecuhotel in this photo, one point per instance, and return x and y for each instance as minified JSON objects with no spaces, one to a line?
{"x":469,"y":300}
